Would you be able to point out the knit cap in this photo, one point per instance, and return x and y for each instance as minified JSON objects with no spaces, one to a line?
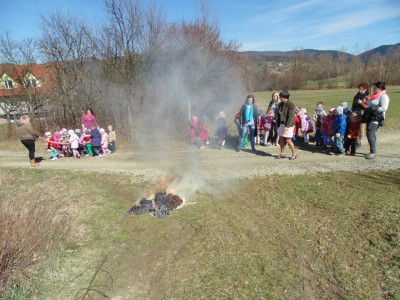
{"x":344,"y":104}
{"x":48,"y":133}
{"x":339,"y":110}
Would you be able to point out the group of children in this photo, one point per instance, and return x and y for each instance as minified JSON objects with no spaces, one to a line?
{"x":341,"y":124}
{"x":199,"y":132}
{"x":93,"y":142}
{"x":337,"y":130}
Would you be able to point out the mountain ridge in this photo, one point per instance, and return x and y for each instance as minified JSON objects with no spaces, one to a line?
{"x":273,"y":55}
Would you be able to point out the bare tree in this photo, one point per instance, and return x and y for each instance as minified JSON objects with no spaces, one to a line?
{"x":20,"y":59}
{"x":68,"y":50}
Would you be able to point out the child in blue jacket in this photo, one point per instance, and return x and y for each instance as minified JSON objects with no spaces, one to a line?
{"x":339,"y":130}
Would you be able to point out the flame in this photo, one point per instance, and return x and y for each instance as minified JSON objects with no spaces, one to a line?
{"x":160,"y":187}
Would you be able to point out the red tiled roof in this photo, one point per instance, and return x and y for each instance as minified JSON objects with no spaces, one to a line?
{"x":43,"y":72}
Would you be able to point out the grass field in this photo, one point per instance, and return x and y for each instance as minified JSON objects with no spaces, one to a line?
{"x":319,"y":237}
{"x":324,"y":236}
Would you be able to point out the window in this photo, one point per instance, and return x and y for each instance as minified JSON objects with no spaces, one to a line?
{"x":31,"y":83}
{"x":8,"y":84}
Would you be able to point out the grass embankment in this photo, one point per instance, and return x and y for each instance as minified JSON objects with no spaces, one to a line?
{"x":325,"y":236}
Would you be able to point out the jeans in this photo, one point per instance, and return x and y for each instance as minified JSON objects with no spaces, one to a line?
{"x":371,"y":136}
{"x":318,"y":137}
{"x":245,"y":129}
{"x":338,"y":144}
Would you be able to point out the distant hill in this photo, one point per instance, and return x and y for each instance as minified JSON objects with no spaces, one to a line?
{"x":281,"y":55}
{"x":383,"y":50}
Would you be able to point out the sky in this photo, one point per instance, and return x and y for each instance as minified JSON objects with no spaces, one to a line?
{"x":258,"y":25}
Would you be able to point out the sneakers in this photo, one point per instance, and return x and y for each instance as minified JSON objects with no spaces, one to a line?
{"x":339,"y":153}
{"x":53,"y":158}
{"x":370,"y":156}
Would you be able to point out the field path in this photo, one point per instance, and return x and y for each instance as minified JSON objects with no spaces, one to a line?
{"x":217,"y":164}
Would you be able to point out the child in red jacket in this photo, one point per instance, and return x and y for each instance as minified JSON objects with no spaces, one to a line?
{"x":352,"y":135}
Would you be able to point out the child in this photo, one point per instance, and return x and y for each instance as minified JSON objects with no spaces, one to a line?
{"x":306,"y":125}
{"x":352,"y":134}
{"x":86,"y":140}
{"x":297,"y":125}
{"x":327,"y":130}
{"x":257,"y":138}
{"x":320,"y":116}
{"x":65,"y":148}
{"x":339,"y":129}
{"x":74,"y":143}
{"x":222,"y":129}
{"x":237,"y":122}
{"x":58,"y":146}
{"x":193,"y":129}
{"x":104,"y":141}
{"x":318,"y":111}
{"x":203,"y":132}
{"x":112,"y":138}
{"x":96,"y":142}
{"x":267,"y":121}
{"x":51,"y":146}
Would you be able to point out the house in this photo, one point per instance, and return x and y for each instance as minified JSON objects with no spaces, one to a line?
{"x":19,"y":84}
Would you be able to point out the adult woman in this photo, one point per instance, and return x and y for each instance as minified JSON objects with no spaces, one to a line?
{"x":375,"y":110}
{"x":286,"y":124}
{"x":89,"y":120}
{"x":363,"y":94}
{"x":274,"y":105}
{"x":28,"y":135}
{"x":248,"y":121}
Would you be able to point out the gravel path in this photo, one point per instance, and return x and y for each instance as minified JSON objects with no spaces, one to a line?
{"x":220,"y":164}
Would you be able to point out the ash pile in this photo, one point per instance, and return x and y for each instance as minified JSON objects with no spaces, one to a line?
{"x":161,"y":206}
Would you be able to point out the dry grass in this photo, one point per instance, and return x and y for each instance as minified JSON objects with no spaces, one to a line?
{"x":27,"y":227}
{"x":325,"y":236}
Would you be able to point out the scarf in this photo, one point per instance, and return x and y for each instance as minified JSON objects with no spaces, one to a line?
{"x":249,"y":113}
{"x":377,"y":95}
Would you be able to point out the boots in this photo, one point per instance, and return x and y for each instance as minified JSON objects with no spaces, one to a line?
{"x":34,"y":163}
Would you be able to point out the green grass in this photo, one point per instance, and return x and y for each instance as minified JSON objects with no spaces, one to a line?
{"x":315,"y":237}
{"x":342,"y":82}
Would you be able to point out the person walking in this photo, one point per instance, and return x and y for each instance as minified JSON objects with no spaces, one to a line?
{"x":248,"y":121}
{"x":286,"y":121}
{"x":28,"y":136}
{"x":375,"y":112}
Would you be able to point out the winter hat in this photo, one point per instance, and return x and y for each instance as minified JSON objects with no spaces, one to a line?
{"x":303,"y":111}
{"x":332,"y":110}
{"x":110,"y":127}
{"x":87,"y":130}
{"x":102,"y":130}
{"x":57,"y":134}
{"x":344,"y":104}
{"x":71,"y":132}
{"x":48,"y":133}
{"x":339,"y":110}
{"x":77,"y":130}
{"x":194,"y":119}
